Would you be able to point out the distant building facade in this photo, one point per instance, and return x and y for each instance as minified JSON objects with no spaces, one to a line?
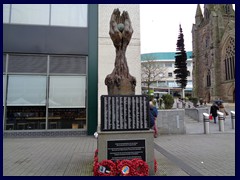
{"x":167,"y":83}
{"x":213,"y":43}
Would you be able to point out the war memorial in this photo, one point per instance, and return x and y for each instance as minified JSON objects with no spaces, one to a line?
{"x":124,"y":133}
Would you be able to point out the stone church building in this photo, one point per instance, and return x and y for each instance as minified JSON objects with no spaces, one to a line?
{"x":213,"y":43}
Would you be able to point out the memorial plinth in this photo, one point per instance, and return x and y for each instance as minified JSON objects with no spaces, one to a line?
{"x":118,"y":145}
{"x":124,"y":132}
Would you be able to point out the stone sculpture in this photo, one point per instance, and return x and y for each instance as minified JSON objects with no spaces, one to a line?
{"x":120,"y":82}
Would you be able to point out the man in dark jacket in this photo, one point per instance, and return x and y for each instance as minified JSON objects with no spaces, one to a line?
{"x":213,"y":111}
{"x":153,"y":116}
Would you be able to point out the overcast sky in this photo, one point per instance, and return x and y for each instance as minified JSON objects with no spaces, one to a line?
{"x":160,"y":26}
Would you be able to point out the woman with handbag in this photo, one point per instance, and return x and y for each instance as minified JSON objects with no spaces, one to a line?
{"x":213,"y":111}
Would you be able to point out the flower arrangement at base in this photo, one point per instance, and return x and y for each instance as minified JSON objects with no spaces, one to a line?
{"x":155,"y":165}
{"x":134,"y":167}
{"x":141,"y":167}
{"x":106,"y":168}
{"x":95,"y":168}
{"x":125,"y":168}
{"x":95,"y":163}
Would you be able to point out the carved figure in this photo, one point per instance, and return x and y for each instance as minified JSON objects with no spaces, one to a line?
{"x":120,"y":82}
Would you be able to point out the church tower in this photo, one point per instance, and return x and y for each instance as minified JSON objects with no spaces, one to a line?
{"x":198,"y":16}
{"x":213,"y":41}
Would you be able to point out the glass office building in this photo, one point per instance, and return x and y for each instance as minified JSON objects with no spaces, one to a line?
{"x":50,"y":67}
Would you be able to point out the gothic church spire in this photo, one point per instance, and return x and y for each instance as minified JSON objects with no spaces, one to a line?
{"x":199,"y":15}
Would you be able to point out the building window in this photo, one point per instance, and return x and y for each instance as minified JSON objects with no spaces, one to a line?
{"x":188,"y":73}
{"x":26,"y":102}
{"x":209,"y":79}
{"x":229,"y":61}
{"x":168,"y":64}
{"x":6,"y":13}
{"x":66,"y":118}
{"x":51,"y":94}
{"x":169,"y":74}
{"x":30,"y":14}
{"x":172,"y":84}
{"x":26,"y":117}
{"x":230,"y":68}
{"x":227,"y":9}
{"x":26,"y":90}
{"x":67,"y":91}
{"x":162,"y":84}
{"x":69,"y":15}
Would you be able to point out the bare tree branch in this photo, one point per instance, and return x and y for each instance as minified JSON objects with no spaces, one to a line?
{"x":151,"y":71}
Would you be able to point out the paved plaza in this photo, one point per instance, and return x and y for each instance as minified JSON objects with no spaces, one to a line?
{"x":192,"y":154}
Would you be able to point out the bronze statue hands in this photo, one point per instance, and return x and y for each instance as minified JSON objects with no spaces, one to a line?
{"x":120,"y":29}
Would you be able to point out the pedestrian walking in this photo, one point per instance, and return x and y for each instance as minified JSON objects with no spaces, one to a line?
{"x":213,"y":111}
{"x":223,"y":110}
{"x":153,"y":117}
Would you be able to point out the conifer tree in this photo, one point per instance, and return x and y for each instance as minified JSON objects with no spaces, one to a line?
{"x":181,"y":71}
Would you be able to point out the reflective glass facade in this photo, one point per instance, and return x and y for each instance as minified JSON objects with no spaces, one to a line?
{"x":50,"y":67}
{"x":51,"y":92}
{"x":70,"y":15}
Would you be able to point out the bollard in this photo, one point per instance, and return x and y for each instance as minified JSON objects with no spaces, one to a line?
{"x":206,"y":123}
{"x":233,"y":119}
{"x":221,"y":121}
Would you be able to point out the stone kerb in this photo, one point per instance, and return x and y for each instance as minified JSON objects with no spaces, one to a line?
{"x":171,"y":121}
{"x":196,"y":113}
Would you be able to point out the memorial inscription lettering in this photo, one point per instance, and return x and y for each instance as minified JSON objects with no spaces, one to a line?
{"x":126,"y":149}
{"x":124,"y":113}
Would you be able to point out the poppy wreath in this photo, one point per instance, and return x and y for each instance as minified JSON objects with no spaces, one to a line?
{"x":155,"y":165}
{"x":95,"y":168}
{"x":108,"y":164}
{"x":95,"y":160}
{"x":141,"y":167}
{"x":95,"y":163}
{"x":125,"y":168}
{"x":96,"y":153}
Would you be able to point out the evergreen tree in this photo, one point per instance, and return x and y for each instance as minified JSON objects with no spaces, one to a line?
{"x":181,"y":71}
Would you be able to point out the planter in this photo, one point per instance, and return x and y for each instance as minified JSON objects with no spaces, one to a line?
{"x":171,"y":121}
